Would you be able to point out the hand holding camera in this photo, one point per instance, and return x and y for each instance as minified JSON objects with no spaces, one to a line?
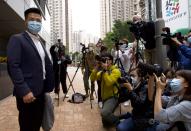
{"x":128,"y":86}
{"x":176,"y":41}
{"x":160,"y":81}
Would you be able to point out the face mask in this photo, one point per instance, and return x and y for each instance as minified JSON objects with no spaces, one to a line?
{"x":34,"y":27}
{"x":90,"y":48}
{"x":175,"y":85}
{"x":134,"y":81}
{"x":189,"y":40}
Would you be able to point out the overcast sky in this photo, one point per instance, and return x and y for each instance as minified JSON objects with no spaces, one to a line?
{"x":86,"y":16}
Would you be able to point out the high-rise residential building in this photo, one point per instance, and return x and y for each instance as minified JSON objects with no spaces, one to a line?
{"x":76,"y":40}
{"x":12,"y":22}
{"x":60,"y":24}
{"x":57,"y":20}
{"x":112,"y":10}
{"x":148,"y":9}
{"x":81,"y":37}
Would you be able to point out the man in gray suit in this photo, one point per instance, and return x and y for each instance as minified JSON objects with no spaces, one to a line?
{"x":31,"y":71}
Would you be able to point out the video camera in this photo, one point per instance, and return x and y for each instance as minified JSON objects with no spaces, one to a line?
{"x":136,"y":28}
{"x":167,"y":36}
{"x":144,"y":30}
{"x":172,"y":52}
{"x":84,"y":48}
{"x":150,"y":69}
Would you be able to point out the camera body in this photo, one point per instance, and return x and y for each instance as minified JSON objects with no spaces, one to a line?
{"x":125,"y":79}
{"x":150,"y":69}
{"x":136,"y":28}
{"x":101,"y":59}
{"x":84,"y":48}
{"x":167,"y":40}
{"x":172,"y":52}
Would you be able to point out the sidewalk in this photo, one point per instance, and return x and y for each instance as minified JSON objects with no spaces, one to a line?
{"x":68,"y":116}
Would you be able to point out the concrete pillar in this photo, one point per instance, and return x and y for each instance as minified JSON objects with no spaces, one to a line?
{"x":160,"y":50}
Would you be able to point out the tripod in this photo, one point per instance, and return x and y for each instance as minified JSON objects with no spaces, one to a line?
{"x":118,"y":60}
{"x":71,"y":80}
{"x":137,"y":55}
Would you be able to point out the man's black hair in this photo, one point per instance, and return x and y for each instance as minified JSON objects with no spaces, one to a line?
{"x":108,"y":55}
{"x":32,"y":10}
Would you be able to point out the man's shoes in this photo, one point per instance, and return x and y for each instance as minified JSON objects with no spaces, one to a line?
{"x":56,"y":96}
{"x":91,"y":97}
{"x":86,"y":95}
{"x":100,"y":104}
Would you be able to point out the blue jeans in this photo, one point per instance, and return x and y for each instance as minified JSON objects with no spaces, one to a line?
{"x":126,"y":125}
{"x":107,"y":112}
{"x":129,"y":125}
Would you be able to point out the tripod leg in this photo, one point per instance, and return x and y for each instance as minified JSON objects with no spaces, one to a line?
{"x":90,"y":100}
{"x":71,"y":81}
{"x":70,"y":85}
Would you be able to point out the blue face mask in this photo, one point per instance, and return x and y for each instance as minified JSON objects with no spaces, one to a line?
{"x":34,"y":27}
{"x":175,"y":85}
{"x":189,"y":40}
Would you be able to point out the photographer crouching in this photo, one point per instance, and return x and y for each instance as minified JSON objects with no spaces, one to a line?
{"x":108,"y":77}
{"x":141,"y":118}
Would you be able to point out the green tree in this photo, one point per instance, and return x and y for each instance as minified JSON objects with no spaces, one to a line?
{"x":119,"y":31}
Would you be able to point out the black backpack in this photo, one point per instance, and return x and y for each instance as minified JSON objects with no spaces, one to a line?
{"x":77,"y":98}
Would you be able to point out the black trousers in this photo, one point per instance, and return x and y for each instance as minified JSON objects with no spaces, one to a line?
{"x":60,"y":78}
{"x":99,"y":90}
{"x":30,"y":115}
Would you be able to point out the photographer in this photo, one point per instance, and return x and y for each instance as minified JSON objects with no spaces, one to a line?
{"x":87,"y":67}
{"x":178,"y":110}
{"x":108,"y":77}
{"x":124,"y":54}
{"x":60,"y":61}
{"x":141,"y":117}
{"x":184,"y":54}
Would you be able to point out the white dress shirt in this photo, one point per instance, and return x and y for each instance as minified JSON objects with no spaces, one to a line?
{"x":40,"y":50}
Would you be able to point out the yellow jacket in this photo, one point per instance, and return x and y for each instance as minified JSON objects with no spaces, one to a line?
{"x":108,"y":81}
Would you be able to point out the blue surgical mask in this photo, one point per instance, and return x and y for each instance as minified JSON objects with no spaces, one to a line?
{"x":175,"y":85}
{"x":34,"y":26}
{"x":189,"y":40}
{"x":134,"y":81}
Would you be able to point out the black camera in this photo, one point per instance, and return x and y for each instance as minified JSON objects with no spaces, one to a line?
{"x":125,"y":79}
{"x":101,"y":59}
{"x":150,"y":69}
{"x":172,"y":52}
{"x":167,"y":36}
{"x":144,"y":30}
{"x":84,"y":48}
{"x":136,"y":28}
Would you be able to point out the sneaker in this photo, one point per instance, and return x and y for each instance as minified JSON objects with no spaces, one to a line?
{"x":100,"y":104}
{"x":126,"y":103}
{"x":66,"y":96}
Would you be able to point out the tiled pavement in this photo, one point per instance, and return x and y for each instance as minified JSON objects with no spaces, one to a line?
{"x":68,"y":116}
